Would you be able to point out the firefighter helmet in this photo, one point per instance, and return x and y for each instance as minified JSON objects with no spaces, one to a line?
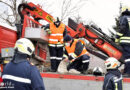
{"x":97,"y":71}
{"x":24,"y":46}
{"x":112,"y":63}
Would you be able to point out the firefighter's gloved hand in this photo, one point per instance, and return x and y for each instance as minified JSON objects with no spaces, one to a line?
{"x":59,"y":43}
{"x":49,"y":32}
{"x":72,"y":60}
{"x":117,"y":40}
{"x":73,"y":55}
{"x":65,"y":58}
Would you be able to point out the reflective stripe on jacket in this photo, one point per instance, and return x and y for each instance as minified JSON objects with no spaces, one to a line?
{"x":123,"y":34}
{"x":125,"y":39}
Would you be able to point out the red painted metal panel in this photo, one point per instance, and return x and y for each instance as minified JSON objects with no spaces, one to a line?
{"x":42,"y":53}
{"x":8,"y":37}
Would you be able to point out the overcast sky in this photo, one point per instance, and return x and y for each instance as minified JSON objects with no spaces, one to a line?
{"x":102,"y":12}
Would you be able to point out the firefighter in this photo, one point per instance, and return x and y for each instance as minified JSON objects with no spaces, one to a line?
{"x":77,"y":54}
{"x":123,"y":37}
{"x":56,"y":31}
{"x":19,"y":72}
{"x":113,"y":78}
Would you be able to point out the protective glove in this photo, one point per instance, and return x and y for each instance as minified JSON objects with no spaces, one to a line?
{"x":49,"y":32}
{"x":117,"y":40}
{"x":73,"y":55}
{"x":59,"y":43}
{"x":72,"y":60}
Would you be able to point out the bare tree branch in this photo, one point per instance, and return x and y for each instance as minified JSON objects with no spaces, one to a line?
{"x":10,"y":23}
{"x":65,"y":9}
{"x":46,"y":6}
{"x":6,"y":4}
{"x":12,"y":17}
{"x":68,"y":9}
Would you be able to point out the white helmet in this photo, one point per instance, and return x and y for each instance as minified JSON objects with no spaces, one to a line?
{"x":97,"y":71}
{"x":24,"y":46}
{"x":112,"y":63}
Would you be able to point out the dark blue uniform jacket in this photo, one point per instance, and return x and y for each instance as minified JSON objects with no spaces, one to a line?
{"x":19,"y":74}
{"x":113,"y":80}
